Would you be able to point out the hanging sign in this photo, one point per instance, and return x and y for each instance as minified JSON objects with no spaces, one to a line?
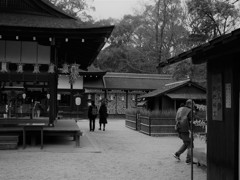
{"x":228,"y":95}
{"x":20,"y":68}
{"x":4,"y":67}
{"x":217,"y":97}
{"x":36,"y":68}
{"x":51,"y":68}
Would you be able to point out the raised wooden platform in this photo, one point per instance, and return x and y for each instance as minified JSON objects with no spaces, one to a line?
{"x":27,"y":128}
{"x":64,"y":127}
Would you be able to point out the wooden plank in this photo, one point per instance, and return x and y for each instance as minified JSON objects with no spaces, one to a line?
{"x":8,"y":138}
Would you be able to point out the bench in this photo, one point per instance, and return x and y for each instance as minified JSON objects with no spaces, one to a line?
{"x":8,"y":142}
{"x":17,"y":127}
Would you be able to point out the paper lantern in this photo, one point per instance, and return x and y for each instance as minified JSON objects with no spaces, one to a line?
{"x":78,"y":101}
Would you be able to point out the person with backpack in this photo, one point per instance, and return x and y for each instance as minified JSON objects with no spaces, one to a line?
{"x":183,"y":120}
{"x":92,"y":114}
{"x":103,"y":115}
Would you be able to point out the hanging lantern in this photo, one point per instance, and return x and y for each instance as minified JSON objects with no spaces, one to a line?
{"x":4,"y":67}
{"x":65,"y":69}
{"x":133,"y":97}
{"x":123,"y":98}
{"x":59,"y":97}
{"x":51,"y":68}
{"x":48,"y":96}
{"x":111,"y":97}
{"x":36,"y":68}
{"x":78,"y":101}
{"x":24,"y":95}
{"x":89,"y":96}
{"x":20,"y":68}
{"x":74,"y":73}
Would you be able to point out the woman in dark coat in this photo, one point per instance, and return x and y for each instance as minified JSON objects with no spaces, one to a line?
{"x":103,"y":115}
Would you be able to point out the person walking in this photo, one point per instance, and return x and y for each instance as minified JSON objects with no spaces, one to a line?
{"x":183,"y":120}
{"x":92,"y":114}
{"x":103,"y":115}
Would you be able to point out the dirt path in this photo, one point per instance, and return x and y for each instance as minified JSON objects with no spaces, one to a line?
{"x":118,"y":153}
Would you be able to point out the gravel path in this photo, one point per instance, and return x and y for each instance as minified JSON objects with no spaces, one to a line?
{"x":118,"y":153}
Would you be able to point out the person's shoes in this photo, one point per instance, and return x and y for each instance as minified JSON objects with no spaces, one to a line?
{"x":189,"y":162}
{"x":103,"y":129}
{"x":177,"y":157}
{"x":99,"y":129}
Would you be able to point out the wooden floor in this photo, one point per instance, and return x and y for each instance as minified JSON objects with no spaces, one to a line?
{"x":63,"y":127}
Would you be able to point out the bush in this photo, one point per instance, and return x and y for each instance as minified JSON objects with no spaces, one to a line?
{"x":158,"y":114}
{"x":132,"y":111}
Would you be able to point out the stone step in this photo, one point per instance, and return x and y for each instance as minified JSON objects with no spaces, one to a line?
{"x":8,"y":145}
{"x":8,"y":142}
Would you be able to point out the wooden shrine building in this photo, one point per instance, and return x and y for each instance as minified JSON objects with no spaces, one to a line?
{"x":223,"y":103}
{"x":42,"y":48}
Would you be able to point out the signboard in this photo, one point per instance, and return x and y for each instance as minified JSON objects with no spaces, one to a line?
{"x":217,"y":97}
{"x":228,"y":95}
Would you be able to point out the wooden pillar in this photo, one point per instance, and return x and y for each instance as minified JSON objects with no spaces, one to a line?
{"x":175,"y":105}
{"x":126,"y":99}
{"x":105,"y":93}
{"x":53,"y":82}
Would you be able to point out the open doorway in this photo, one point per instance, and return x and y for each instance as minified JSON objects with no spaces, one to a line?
{"x":24,"y":100}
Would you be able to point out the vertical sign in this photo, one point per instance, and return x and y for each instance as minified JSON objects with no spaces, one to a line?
{"x":228,"y":95}
{"x":217,"y":97}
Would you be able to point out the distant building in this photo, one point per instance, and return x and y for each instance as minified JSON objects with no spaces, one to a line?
{"x":171,"y":95}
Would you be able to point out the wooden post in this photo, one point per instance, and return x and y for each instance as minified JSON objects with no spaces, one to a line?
{"x":53,"y":81}
{"x":126,"y":99}
{"x":150,"y":124}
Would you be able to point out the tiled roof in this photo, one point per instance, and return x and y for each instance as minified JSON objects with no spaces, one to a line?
{"x":167,"y":88}
{"x":204,"y":50}
{"x":132,"y":81}
{"x":27,"y":20}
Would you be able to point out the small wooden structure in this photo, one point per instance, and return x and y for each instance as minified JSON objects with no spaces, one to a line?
{"x":170,"y":96}
{"x":223,"y":103}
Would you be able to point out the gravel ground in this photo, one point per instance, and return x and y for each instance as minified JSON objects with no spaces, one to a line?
{"x":118,"y":153}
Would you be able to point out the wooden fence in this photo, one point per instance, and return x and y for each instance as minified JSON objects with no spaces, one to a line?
{"x":154,"y":126}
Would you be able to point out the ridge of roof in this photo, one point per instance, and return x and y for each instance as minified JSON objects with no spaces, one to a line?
{"x":137,"y":75}
{"x":169,"y":88}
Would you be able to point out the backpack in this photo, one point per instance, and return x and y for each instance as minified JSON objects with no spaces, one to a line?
{"x":182,"y":121}
{"x":94,"y":111}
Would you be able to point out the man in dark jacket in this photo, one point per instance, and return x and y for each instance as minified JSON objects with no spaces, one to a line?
{"x":183,"y":119}
{"x":92,"y":114}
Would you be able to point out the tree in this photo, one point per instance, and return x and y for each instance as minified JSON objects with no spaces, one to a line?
{"x":209,"y":19}
{"x":75,"y":8}
{"x":145,"y":39}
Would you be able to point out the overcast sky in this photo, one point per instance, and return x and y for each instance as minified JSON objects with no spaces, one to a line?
{"x":115,"y":8}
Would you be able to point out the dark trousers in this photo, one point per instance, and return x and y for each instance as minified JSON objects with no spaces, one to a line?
{"x":186,"y":145}
{"x":92,"y":124}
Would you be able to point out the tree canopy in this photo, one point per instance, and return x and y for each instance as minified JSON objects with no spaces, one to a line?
{"x":164,"y":28}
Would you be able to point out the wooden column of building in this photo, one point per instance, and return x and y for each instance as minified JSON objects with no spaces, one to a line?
{"x":126,"y":99}
{"x":53,"y":81}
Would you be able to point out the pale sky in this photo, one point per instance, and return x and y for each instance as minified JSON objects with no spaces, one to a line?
{"x":115,"y":8}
